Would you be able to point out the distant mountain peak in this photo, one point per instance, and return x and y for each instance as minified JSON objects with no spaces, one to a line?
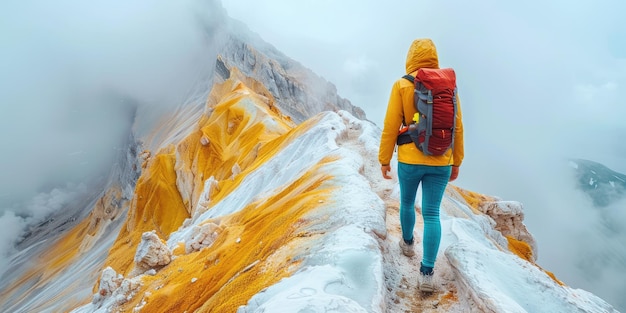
{"x":602,"y":184}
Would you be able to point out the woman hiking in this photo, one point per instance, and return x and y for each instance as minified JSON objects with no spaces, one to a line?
{"x":421,"y":165}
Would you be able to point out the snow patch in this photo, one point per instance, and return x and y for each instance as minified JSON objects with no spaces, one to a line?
{"x":343,"y":273}
{"x":300,"y":293}
{"x":210,"y":186}
{"x":499,"y":281}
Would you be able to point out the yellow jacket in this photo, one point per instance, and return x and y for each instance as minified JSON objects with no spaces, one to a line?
{"x":421,"y":54}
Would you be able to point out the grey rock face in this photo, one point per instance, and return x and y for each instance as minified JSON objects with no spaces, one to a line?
{"x":299,"y":93}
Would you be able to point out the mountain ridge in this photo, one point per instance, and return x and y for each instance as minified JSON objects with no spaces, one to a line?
{"x":244,"y":240}
{"x":295,"y":89}
{"x":243,"y":205}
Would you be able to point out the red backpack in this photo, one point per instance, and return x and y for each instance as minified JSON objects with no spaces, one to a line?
{"x":432,"y":129}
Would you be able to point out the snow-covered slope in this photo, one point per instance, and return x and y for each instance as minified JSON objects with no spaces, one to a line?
{"x":268,"y":198}
{"x":245,"y":211}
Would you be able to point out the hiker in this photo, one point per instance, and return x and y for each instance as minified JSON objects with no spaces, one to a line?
{"x":419,"y":164}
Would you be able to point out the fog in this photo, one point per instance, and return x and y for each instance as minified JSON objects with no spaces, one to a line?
{"x":73,"y":74}
{"x":75,"y":78}
{"x":539,"y":82}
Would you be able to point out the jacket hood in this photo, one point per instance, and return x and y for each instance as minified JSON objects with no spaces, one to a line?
{"x":421,"y":54}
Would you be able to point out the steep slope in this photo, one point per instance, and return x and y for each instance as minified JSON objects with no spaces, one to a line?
{"x":246,"y":211}
{"x":268,"y":198}
{"x":60,"y":258}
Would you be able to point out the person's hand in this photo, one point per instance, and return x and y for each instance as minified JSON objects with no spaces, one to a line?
{"x":455,"y":173}
{"x":386,"y":169}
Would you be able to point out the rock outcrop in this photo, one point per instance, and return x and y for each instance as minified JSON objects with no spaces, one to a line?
{"x":296,"y":90}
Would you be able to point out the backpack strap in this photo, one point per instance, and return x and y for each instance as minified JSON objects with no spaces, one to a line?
{"x":409,"y":77}
{"x":453,"y":122}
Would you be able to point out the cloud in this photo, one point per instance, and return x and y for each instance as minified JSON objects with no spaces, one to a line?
{"x":513,"y":45}
{"x":75,"y":75}
{"x":12,"y":227}
{"x":524,"y":74}
{"x":77,"y":78}
{"x":358,"y":66}
{"x":536,"y":87}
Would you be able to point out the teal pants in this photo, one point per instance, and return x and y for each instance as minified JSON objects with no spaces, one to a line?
{"x":434,"y":180}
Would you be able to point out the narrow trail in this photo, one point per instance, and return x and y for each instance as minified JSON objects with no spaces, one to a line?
{"x":401,"y":273}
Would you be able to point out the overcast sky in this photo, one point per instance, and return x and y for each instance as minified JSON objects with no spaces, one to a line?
{"x":536,"y":79}
{"x":535,"y":64}
{"x":72,"y":72}
{"x":539,"y":81}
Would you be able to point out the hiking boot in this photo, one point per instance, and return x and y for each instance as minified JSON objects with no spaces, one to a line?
{"x":426,"y":283}
{"x":407,"y":247}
